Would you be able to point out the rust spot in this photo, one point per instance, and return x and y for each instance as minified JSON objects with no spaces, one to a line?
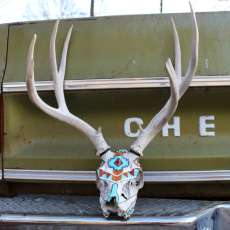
{"x":1,"y":125}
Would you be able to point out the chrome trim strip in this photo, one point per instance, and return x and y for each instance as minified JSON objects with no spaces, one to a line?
{"x":55,"y":175}
{"x":150,"y":176}
{"x":118,"y":83}
{"x":42,"y":219}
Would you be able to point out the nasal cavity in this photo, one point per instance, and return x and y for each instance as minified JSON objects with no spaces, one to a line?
{"x":112,"y":202}
{"x":113,"y":196}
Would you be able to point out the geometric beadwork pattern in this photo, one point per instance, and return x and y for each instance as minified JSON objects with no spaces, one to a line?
{"x":118,"y":163}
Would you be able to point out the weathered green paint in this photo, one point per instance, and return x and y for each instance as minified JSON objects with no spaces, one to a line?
{"x":3,"y":50}
{"x":33,"y":140}
{"x":110,"y":47}
{"x":3,"y":53}
{"x":124,"y":46}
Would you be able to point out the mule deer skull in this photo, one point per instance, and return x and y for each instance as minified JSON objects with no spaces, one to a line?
{"x":119,"y":176}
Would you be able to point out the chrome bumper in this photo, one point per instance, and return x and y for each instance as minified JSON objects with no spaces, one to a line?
{"x":76,"y":212}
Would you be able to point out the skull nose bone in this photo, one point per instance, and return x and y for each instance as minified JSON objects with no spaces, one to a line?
{"x":113,"y":197}
{"x":112,"y":202}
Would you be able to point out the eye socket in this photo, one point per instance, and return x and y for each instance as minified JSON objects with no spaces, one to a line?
{"x":138,"y":181}
{"x":104,"y":183}
{"x":134,"y":182}
{"x":101,"y":183}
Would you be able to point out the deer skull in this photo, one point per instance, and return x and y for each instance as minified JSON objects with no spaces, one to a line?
{"x":119,"y":176}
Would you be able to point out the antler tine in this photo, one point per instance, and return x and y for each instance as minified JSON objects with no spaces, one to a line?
{"x":61,"y":113}
{"x":177,"y":52}
{"x":155,"y":125}
{"x":58,"y":75}
{"x":30,"y":81}
{"x":193,"y":60}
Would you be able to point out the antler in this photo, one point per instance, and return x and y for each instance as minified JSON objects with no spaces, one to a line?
{"x":176,"y":81}
{"x":61,"y":113}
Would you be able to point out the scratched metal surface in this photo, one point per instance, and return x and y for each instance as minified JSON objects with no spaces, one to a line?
{"x":80,"y":206}
{"x":84,"y":213}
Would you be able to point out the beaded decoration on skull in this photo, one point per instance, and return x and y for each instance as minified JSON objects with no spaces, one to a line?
{"x":119,"y":178}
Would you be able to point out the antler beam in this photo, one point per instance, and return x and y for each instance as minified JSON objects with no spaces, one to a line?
{"x":61,"y":113}
{"x":176,"y":81}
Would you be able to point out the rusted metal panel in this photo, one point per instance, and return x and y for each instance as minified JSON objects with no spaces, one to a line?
{"x":1,"y":130}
